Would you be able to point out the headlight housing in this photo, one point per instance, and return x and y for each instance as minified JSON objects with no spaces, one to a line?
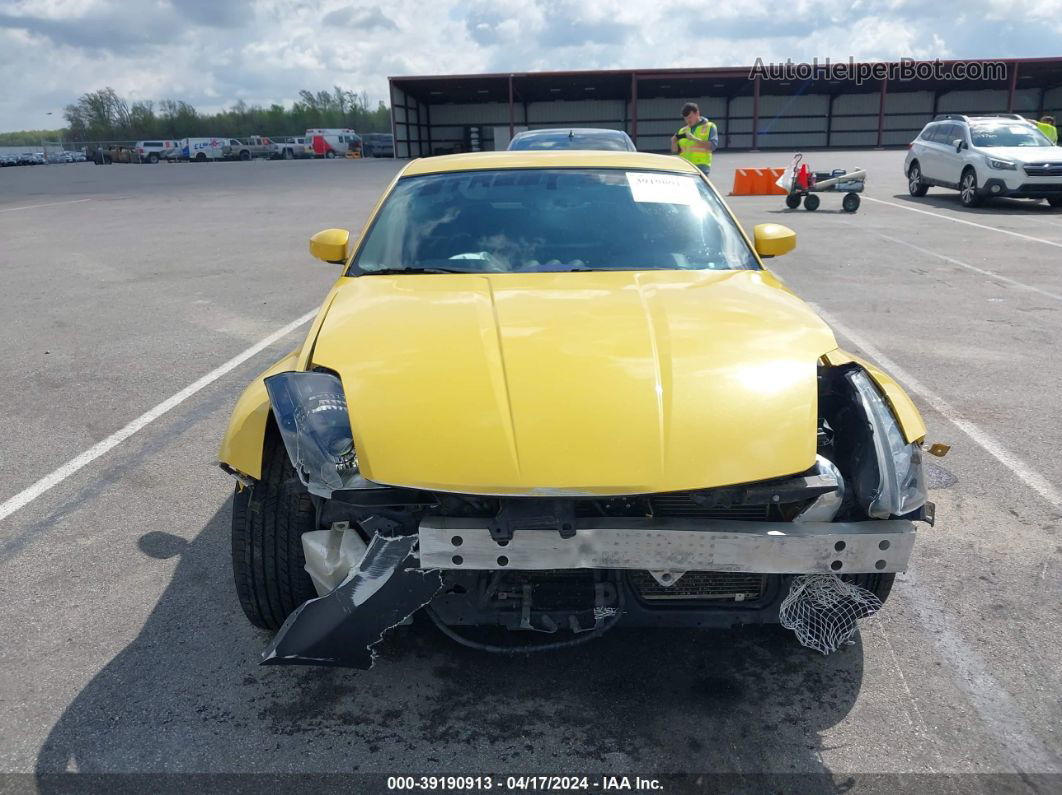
{"x":311,"y":412}
{"x":901,"y":486}
{"x":1005,"y":165}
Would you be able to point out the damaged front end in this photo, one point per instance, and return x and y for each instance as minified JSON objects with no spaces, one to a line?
{"x":382,"y":590}
{"x":566,"y":568}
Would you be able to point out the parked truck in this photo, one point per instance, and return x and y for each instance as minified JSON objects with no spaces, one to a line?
{"x":153,"y":151}
{"x":248,"y":148}
{"x":292,"y":148}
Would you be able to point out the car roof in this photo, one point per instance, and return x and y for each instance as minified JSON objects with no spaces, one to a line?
{"x":531,"y":158}
{"x":550,"y":131}
{"x":583,"y":135}
{"x":986,"y":120}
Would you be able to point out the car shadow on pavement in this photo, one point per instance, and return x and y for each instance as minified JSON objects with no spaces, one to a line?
{"x":949,"y":200}
{"x":186,"y":695}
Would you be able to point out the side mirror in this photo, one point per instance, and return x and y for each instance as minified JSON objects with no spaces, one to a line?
{"x":330,"y":245}
{"x":773,"y":240}
{"x":959,"y":144}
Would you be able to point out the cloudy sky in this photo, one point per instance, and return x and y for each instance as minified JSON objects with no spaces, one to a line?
{"x":214,"y":52}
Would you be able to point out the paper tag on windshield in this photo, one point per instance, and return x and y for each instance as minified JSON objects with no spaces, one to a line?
{"x":662,"y":188}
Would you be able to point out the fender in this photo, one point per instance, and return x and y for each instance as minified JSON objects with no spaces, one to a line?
{"x":903,"y":408}
{"x":244,"y":440}
{"x":241,"y":447}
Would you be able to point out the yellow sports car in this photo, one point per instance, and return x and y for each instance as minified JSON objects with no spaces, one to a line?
{"x":556,"y":392}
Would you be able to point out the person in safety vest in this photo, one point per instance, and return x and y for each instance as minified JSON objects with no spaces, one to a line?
{"x":1046,"y":125}
{"x":697,"y":140}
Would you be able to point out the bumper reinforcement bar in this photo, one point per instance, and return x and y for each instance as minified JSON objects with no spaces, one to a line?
{"x":674,"y":544}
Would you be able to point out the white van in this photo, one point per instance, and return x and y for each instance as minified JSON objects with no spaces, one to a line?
{"x":201,"y":149}
{"x":333,"y":142}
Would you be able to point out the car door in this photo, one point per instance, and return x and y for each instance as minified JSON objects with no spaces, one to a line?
{"x":924,"y":150}
{"x":953,"y":159}
{"x":949,"y":161}
{"x":931,"y":152}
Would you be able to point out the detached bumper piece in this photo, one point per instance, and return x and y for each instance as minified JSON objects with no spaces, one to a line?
{"x":676,"y":545}
{"x":342,"y":628}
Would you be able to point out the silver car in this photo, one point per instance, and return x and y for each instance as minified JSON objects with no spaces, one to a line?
{"x":985,"y":156}
{"x":573,"y":138}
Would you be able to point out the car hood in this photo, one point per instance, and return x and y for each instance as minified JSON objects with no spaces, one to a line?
{"x":576,"y":383}
{"x":1025,"y":154}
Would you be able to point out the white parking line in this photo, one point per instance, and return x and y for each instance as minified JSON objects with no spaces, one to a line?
{"x":974,"y":268}
{"x":997,"y":710}
{"x":1004,"y":719}
{"x":28,"y":495}
{"x":35,"y":206}
{"x":968,"y":223}
{"x":1027,"y":474}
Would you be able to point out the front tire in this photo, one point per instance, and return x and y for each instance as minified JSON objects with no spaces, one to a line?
{"x":268,"y":520}
{"x":330,"y":154}
{"x":915,"y":185}
{"x":811,"y":202}
{"x":878,"y":584}
{"x":792,"y":201}
{"x":153,"y":158}
{"x":968,"y":189}
{"x":245,"y":155}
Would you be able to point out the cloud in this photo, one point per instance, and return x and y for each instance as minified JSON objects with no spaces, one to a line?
{"x":364,"y":18}
{"x":103,"y":32}
{"x":568,"y":32}
{"x":213,"y":53}
{"x":215,"y":13}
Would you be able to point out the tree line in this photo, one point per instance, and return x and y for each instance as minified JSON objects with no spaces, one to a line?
{"x":105,"y":116}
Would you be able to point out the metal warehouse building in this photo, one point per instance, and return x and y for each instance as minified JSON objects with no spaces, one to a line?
{"x":443,"y":114}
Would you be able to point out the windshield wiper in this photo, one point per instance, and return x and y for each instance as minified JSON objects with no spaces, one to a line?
{"x":589,"y":269}
{"x":561,"y":269}
{"x":397,"y":271}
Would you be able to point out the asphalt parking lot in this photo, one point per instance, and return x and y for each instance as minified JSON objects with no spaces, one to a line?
{"x":124,"y":648}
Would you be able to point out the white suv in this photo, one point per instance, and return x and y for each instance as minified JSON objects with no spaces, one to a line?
{"x":982,"y":156}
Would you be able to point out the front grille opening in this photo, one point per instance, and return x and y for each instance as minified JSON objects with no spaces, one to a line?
{"x":1043,"y":169}
{"x":678,"y":505}
{"x":681,"y":504}
{"x":1041,"y":187}
{"x":701,"y":585}
{"x":558,"y":589}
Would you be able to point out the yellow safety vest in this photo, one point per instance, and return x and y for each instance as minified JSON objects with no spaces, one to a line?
{"x":701,"y":132}
{"x":1049,"y":130}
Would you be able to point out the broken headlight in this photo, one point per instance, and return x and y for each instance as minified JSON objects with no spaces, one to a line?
{"x":311,"y":412}
{"x":901,"y":486}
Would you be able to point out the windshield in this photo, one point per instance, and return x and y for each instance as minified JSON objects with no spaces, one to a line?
{"x":1008,"y":135}
{"x":571,"y":140}
{"x":552,"y":220}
